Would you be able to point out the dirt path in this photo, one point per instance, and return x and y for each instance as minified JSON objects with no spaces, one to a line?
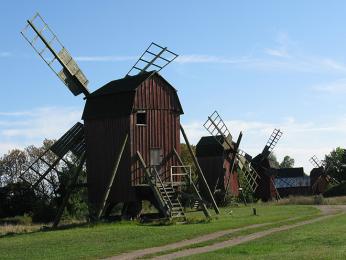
{"x":326,"y":210}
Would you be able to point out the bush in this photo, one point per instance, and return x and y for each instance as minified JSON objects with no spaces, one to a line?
{"x":318,"y":200}
{"x":17,"y":220}
{"x":337,"y":190}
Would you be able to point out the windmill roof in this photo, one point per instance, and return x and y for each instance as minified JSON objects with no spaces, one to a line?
{"x":117,"y":98}
{"x":210,"y":146}
{"x":127,"y":84}
{"x":290,"y":172}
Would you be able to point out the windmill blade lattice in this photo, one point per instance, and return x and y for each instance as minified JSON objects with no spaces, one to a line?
{"x":316,"y":162}
{"x":250,"y":174}
{"x":155,"y":57}
{"x":44,"y":172}
{"x":272,"y":141}
{"x":45,"y":42}
{"x":217,"y":127}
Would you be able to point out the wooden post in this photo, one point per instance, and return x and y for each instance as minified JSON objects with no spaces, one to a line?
{"x":111,"y":180}
{"x":204,"y":207}
{"x":69,"y":190}
{"x":199,"y":171}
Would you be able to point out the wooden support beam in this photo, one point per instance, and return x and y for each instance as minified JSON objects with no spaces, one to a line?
{"x":199,"y":171}
{"x":69,"y":190}
{"x":204,"y":207}
{"x":111,"y":180}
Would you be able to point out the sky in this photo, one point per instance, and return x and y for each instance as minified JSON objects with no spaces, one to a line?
{"x":260,"y":64}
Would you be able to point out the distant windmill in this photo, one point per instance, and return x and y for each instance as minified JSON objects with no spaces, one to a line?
{"x":221,"y":171}
{"x":266,"y":189}
{"x":319,"y":179}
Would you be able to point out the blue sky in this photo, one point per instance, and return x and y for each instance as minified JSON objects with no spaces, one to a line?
{"x":261,"y":64}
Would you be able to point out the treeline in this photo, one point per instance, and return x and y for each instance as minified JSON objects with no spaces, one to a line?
{"x":17,"y":196}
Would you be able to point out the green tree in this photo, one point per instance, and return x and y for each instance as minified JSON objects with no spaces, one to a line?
{"x":335,"y":163}
{"x":287,"y":162}
{"x":11,"y":166}
{"x":273,"y":161}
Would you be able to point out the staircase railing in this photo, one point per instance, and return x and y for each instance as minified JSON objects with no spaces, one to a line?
{"x":180,"y":171}
{"x":157,"y":178}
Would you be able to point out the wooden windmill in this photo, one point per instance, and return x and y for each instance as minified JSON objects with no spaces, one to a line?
{"x":221,"y":158}
{"x":266,"y":189}
{"x":319,"y":179}
{"x":130,"y":139}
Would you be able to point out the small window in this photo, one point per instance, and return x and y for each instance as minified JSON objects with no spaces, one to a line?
{"x":141,"y":118}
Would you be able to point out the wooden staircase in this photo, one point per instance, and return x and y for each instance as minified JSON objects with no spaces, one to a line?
{"x":170,"y":198}
{"x":164,"y":193}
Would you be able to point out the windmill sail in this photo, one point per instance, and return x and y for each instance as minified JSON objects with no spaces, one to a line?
{"x":47,"y":45}
{"x":271,"y":143}
{"x":155,"y":57}
{"x":217,"y":127}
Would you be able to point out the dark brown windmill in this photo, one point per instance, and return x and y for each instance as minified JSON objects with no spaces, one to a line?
{"x":319,"y":179}
{"x":266,"y":189}
{"x":222,"y":161}
{"x":131,"y":132}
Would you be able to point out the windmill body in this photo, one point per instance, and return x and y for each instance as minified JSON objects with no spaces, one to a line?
{"x":222,"y":162}
{"x":266,"y":189}
{"x":147,"y":108}
{"x":319,"y":179}
{"x":215,"y":161}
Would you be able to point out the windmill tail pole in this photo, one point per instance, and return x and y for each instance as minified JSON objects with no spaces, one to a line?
{"x":69,"y":190}
{"x":199,"y":171}
{"x":111,"y":180}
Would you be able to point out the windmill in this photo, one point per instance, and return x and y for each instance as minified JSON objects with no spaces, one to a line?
{"x":231,"y":158}
{"x":319,"y":179}
{"x":122,"y":140}
{"x":266,"y":188}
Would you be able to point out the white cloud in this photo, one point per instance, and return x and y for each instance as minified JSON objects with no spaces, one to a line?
{"x":281,"y":50}
{"x":276,"y":52}
{"x":300,"y":140}
{"x":209,"y":59}
{"x":5,"y":54}
{"x":334,"y":87}
{"x":21,"y":128}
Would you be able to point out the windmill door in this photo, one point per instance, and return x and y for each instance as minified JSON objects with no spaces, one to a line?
{"x":156,"y":155}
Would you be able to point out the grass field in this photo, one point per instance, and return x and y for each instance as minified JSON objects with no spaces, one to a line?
{"x":109,"y":239}
{"x":321,"y":240}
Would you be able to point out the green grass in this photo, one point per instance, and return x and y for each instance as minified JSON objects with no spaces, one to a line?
{"x":110,"y":239}
{"x":233,"y":235}
{"x":321,"y":240}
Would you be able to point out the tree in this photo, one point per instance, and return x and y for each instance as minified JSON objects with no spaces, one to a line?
{"x":335,"y":163}
{"x":287,"y":162}
{"x":273,"y":161}
{"x":11,"y":166}
{"x":186,"y":157}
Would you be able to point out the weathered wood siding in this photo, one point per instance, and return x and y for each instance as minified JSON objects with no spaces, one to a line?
{"x":104,"y":138}
{"x":162,"y":129}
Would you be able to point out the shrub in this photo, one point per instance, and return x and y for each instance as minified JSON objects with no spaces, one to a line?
{"x":337,"y":190}
{"x":17,"y":220}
